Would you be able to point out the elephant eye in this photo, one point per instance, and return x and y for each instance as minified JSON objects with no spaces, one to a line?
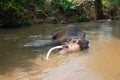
{"x":66,"y":47}
{"x":69,"y":40}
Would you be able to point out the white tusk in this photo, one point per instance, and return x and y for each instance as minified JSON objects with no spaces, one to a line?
{"x":48,"y":53}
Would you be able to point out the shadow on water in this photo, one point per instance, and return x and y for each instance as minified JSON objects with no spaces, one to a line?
{"x":19,"y":47}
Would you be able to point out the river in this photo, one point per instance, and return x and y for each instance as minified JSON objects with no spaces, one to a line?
{"x":21,"y":58}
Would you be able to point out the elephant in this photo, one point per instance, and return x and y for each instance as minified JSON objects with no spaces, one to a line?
{"x":69,"y":39}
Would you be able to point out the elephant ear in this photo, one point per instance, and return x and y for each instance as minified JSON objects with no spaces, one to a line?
{"x":82,"y":34}
{"x":55,"y":36}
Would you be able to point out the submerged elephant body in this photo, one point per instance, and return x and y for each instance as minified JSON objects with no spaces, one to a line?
{"x":71,"y":38}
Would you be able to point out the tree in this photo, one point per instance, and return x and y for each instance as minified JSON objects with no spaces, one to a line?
{"x":99,"y":11}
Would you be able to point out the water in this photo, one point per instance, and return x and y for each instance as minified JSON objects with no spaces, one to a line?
{"x":20,"y":56}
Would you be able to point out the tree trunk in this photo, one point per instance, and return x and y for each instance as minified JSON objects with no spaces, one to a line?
{"x":99,"y":11}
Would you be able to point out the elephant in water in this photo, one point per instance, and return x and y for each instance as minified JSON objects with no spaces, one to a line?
{"x":69,"y":39}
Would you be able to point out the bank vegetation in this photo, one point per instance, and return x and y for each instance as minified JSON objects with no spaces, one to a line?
{"x":17,"y":13}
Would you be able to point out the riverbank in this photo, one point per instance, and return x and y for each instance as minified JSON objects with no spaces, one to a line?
{"x":54,"y":11}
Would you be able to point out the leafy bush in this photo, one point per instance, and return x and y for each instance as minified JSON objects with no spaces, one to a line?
{"x":83,"y":18}
{"x":65,"y":7}
{"x":18,"y":12}
{"x":111,"y":4}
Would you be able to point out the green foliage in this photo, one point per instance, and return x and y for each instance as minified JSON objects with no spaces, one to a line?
{"x":62,"y":5}
{"x":65,"y":8}
{"x":39,"y":8}
{"x":111,"y":8}
{"x":16,"y":12}
{"x":111,"y":4}
{"x":11,"y":12}
{"x":83,"y":18}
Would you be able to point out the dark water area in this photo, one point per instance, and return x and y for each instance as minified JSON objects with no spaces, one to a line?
{"x":20,"y":54}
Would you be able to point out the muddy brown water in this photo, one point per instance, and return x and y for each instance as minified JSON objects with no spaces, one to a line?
{"x":20,"y":56}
